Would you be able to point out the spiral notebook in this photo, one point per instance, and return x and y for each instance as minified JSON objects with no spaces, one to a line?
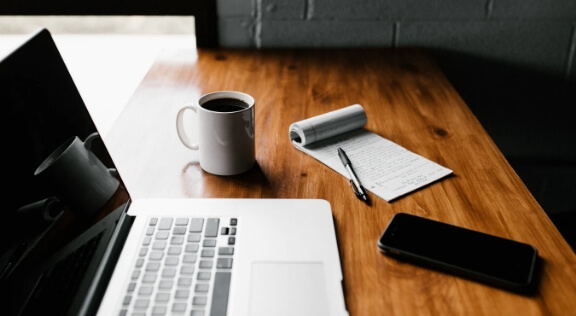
{"x":385,"y":168}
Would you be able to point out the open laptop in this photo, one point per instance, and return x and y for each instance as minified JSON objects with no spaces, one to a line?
{"x":144,"y":257}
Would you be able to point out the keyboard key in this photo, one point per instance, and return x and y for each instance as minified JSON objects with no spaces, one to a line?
{"x":182,"y":294}
{"x":207,"y":253}
{"x":162,"y":297}
{"x":141,"y":303}
{"x":153,"y":221}
{"x":191,"y":248}
{"x":162,"y":235}
{"x":181,"y":222}
{"x":224,"y":263}
{"x":204,"y":276}
{"x":145,"y":290}
{"x":231,"y":241}
{"x":202,"y":287}
{"x":152,"y":267}
{"x":131,"y":287}
{"x":194,"y":238}
{"x":196,"y":225}
{"x":166,"y":284}
{"x":233,"y":231}
{"x":149,"y":278}
{"x":211,"y":227}
{"x":168,"y":272}
{"x":174,"y":251}
{"x":185,"y":282}
{"x":209,"y":243}
{"x":156,"y":255}
{"x":197,"y":313}
{"x":205,"y":264}
{"x":177,"y":240}
{"x":224,"y":231}
{"x":172,"y":261}
{"x":159,"y":310}
{"x":199,"y":300}
{"x":227,"y":251}
{"x":159,"y":245}
{"x":189,"y":259}
{"x":179,"y":307}
{"x":179,"y":230}
{"x":165,"y":224}
{"x":220,"y":293}
{"x":187,"y":270}
{"x":233,"y":221}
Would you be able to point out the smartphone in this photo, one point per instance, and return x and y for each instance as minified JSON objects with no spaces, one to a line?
{"x":493,"y":260}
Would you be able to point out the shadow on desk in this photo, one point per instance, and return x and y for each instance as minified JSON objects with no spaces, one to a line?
{"x":529,"y":116}
{"x":553,"y":185}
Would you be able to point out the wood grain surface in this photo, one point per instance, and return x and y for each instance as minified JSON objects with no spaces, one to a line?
{"x":408,"y":101}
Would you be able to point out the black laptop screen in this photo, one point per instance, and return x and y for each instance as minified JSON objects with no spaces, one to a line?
{"x":41,"y":108}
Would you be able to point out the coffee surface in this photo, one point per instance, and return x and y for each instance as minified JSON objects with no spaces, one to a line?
{"x":225,"y":105}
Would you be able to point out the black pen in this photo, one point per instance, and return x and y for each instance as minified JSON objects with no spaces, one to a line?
{"x":356,"y":185}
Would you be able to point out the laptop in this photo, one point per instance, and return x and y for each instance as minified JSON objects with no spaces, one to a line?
{"x":149,"y":256}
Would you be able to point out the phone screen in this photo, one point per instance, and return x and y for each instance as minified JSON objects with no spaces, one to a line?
{"x":483,"y":257}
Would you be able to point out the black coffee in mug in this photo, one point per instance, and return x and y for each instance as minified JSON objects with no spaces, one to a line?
{"x":225,"y":105}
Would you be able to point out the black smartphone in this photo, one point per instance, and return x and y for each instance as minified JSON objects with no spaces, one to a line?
{"x":478,"y":256}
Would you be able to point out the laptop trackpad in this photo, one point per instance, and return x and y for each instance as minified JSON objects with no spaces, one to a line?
{"x":291,"y":288}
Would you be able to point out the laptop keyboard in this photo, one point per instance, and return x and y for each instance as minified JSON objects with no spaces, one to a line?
{"x":184,"y":267}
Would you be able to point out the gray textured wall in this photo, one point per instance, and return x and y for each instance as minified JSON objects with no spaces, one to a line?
{"x":535,"y":33}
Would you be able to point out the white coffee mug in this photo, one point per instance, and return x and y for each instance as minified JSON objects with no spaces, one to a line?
{"x":226,"y":142}
{"x":80,"y":180}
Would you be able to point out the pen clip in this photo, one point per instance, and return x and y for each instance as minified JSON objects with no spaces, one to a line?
{"x":355,"y":189}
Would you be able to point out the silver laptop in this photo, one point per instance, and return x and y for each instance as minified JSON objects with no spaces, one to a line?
{"x":150,"y":256}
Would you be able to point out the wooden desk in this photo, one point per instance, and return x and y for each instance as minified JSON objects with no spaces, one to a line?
{"x":409,"y":101}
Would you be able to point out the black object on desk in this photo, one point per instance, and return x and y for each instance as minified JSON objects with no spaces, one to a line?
{"x":354,"y":181}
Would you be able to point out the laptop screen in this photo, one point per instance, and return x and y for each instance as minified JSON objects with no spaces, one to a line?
{"x":42,"y":110}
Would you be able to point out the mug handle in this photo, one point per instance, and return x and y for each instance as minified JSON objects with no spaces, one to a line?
{"x":180,"y":127}
{"x":88,"y":145}
{"x":89,"y":139}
